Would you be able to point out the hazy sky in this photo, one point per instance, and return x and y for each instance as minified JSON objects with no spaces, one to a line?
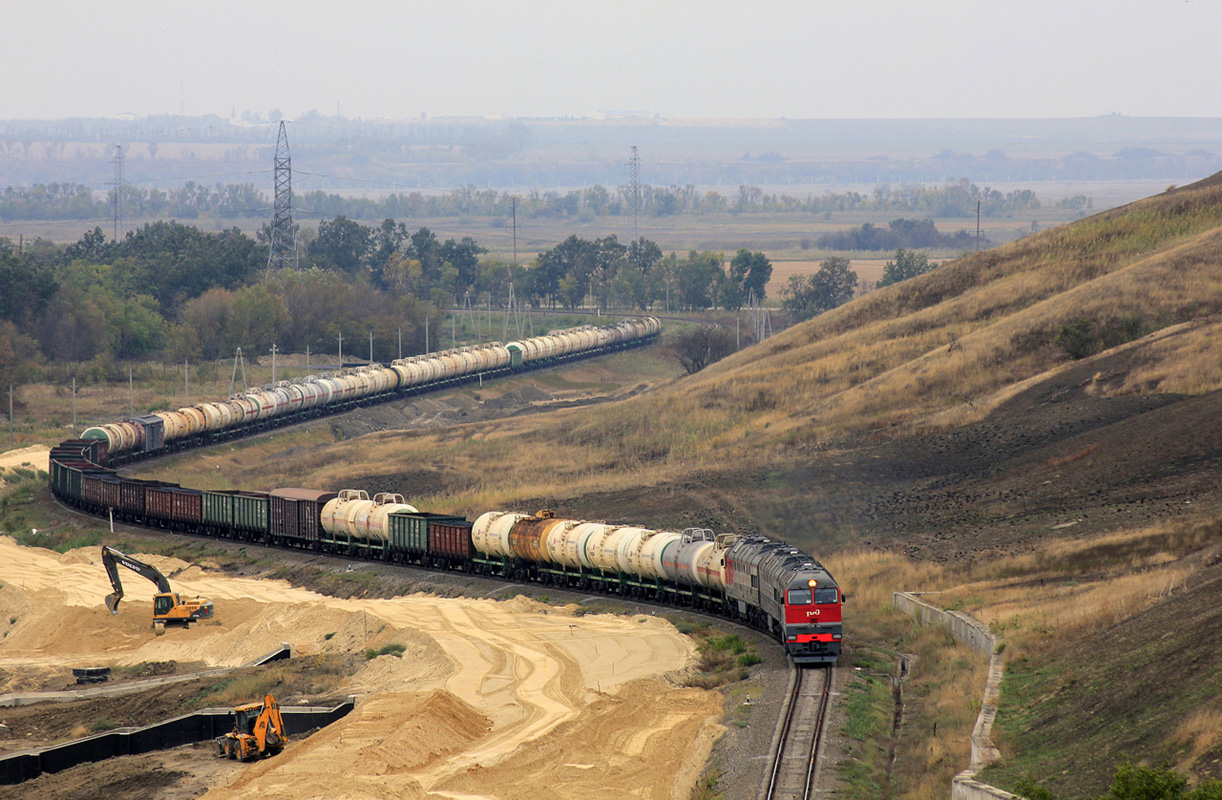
{"x":811,"y":59}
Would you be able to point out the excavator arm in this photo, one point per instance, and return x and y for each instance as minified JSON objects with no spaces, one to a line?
{"x":269,"y":728}
{"x":111,"y":559}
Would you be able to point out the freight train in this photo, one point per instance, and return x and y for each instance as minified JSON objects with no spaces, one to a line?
{"x":752,"y":579}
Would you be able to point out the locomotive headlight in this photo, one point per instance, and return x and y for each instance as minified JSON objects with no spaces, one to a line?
{"x":793,"y":637}
{"x":835,"y":637}
{"x":812,"y":583}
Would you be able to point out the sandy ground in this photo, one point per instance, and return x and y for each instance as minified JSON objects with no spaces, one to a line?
{"x":490,"y":699}
{"x":36,"y":456}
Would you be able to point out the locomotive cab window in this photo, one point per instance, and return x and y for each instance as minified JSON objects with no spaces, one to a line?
{"x":825,"y":595}
{"x":799,"y":597}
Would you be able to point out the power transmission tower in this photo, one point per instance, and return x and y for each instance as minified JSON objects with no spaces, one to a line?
{"x":634,"y":191}
{"x":283,"y":239}
{"x":118,"y":162}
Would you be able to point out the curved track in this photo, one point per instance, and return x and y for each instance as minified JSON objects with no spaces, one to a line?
{"x":795,"y":760}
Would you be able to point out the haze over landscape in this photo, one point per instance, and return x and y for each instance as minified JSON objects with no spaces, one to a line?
{"x":940,"y":297}
{"x":819,"y":59}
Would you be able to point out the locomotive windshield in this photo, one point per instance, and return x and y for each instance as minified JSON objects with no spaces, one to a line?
{"x":799,"y":597}
{"x":825,"y":595}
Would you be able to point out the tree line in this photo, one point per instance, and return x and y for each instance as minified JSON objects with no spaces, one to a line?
{"x":52,"y":201}
{"x":172,"y":291}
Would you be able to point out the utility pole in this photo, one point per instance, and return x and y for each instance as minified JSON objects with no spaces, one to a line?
{"x":283,"y":246}
{"x":400,"y":341}
{"x":515,"y":231}
{"x":10,"y":415}
{"x":186,"y":383}
{"x":341,"y":350}
{"x":371,"y":347}
{"x":131,"y":390}
{"x":977,"y":226}
{"x":74,"y":408}
{"x":273,"y":365}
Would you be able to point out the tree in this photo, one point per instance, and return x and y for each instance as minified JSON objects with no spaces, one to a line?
{"x":696,"y":348}
{"x":342,"y":244}
{"x":697,"y":280}
{"x":907,"y":264}
{"x":751,"y":271}
{"x":805,"y":296}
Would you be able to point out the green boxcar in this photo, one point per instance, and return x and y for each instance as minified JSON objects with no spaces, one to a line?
{"x":250,"y":511}
{"x":408,"y":531}
{"x":218,"y":509}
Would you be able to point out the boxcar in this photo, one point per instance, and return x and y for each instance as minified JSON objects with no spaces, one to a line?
{"x":450,"y":541}
{"x":295,"y":516}
{"x":408,"y":532}
{"x":173,"y":506}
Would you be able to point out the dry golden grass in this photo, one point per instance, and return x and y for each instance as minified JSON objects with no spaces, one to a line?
{"x":1198,"y":734}
{"x":1071,"y":588}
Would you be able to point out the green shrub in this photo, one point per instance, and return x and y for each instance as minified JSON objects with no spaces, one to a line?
{"x":395,"y":650}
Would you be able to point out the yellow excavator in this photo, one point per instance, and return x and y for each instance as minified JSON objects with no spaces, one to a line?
{"x":169,"y":608}
{"x":258,"y":732}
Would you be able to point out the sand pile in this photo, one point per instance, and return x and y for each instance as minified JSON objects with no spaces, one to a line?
{"x":373,"y":753}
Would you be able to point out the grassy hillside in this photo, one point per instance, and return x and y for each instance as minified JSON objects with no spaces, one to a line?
{"x":930,"y":354}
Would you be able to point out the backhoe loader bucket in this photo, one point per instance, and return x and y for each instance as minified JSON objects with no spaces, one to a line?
{"x":112,"y":602}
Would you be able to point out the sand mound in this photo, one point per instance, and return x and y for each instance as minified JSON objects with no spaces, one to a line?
{"x":651,"y":740}
{"x":369,"y":754}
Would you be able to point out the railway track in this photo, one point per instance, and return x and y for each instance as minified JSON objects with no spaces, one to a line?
{"x":795,"y":760}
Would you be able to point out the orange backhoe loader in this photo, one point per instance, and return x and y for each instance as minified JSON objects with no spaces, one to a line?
{"x":258,"y":732}
{"x":169,"y":608}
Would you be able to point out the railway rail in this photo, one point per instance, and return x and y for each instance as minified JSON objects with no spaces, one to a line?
{"x":795,"y":759}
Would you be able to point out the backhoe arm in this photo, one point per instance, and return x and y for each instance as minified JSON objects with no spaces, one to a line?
{"x":111,"y":558}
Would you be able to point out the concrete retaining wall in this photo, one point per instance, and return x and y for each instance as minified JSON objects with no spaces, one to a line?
{"x":200,"y":726}
{"x":971,"y":632}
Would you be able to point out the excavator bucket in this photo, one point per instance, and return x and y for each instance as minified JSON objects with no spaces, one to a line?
{"x":112,"y":602}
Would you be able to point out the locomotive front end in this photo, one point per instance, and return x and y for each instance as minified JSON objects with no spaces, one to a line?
{"x":813,"y":631}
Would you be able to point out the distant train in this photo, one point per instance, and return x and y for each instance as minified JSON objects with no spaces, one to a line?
{"x":295,"y":400}
{"x":752,"y":579}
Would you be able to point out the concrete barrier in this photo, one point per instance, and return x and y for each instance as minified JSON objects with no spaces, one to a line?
{"x":974,"y":634}
{"x":200,"y":726}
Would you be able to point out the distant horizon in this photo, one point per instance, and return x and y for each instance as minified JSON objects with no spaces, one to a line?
{"x":610,"y":117}
{"x":549,"y":59}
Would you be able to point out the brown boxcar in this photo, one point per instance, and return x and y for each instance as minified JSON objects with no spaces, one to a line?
{"x":295,"y":515}
{"x":131,"y":498}
{"x":172,"y":506}
{"x":450,"y":539}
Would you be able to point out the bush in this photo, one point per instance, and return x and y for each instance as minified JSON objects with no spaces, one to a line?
{"x":395,"y":650}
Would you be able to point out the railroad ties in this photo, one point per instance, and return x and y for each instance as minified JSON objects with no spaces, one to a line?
{"x":792,"y":776}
